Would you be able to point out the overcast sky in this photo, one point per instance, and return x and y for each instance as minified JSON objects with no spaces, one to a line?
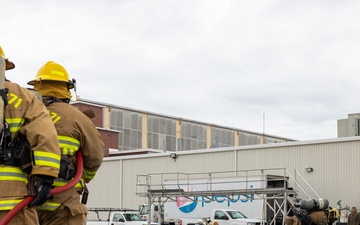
{"x":222,"y":62}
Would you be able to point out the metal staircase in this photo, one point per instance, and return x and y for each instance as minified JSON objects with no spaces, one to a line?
{"x":276,"y":187}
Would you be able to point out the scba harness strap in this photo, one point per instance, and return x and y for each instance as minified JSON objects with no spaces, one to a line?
{"x":67,"y":169}
{"x":50,"y":100}
{"x":3,"y":94}
{"x":5,"y":145}
{"x":17,"y":152}
{"x":5,"y":139}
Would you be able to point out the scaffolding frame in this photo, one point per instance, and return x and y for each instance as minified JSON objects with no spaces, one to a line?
{"x":277,"y":187}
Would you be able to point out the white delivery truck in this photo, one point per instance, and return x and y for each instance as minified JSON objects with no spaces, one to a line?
{"x":206,"y":196}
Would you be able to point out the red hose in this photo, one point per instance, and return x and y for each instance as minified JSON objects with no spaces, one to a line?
{"x":54,"y":191}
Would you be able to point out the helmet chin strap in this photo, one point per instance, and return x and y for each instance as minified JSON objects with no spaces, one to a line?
{"x":73,"y":80}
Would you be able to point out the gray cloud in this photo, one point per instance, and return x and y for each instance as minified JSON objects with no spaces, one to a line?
{"x":223,"y":62}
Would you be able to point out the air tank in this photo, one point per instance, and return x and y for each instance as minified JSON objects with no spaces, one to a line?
{"x":314,"y":204}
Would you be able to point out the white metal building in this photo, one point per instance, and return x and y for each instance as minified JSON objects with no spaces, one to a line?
{"x":334,"y":162}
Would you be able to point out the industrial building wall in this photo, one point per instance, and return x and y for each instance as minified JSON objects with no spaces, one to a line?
{"x":335,"y":163}
{"x":141,"y":129}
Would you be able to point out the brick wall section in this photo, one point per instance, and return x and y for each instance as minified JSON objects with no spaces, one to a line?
{"x":97,"y":110}
{"x":110,"y":138}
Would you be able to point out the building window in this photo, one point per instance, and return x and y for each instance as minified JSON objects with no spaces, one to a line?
{"x":161,"y":133}
{"x":221,"y":137}
{"x":248,"y":139}
{"x":357,"y":127}
{"x":130,"y":125}
{"x":193,"y":136}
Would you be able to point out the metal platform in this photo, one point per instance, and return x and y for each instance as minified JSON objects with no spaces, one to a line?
{"x":278,"y":188}
{"x":181,"y":192}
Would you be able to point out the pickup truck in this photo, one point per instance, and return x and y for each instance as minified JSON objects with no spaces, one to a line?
{"x":222,"y":217}
{"x":115,"y":216}
{"x":232,"y":217}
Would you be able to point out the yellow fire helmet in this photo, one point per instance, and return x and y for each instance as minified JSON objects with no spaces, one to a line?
{"x":333,"y":213}
{"x":52,"y":71}
{"x":9,"y":65}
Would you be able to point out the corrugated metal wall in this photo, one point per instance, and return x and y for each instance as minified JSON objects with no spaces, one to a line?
{"x":105,"y":190}
{"x":335,"y":163}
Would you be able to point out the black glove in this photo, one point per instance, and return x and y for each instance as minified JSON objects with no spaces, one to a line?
{"x":43,"y":188}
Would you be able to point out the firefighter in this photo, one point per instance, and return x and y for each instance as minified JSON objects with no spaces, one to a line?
{"x":76,"y":132}
{"x":353,"y":218}
{"x":26,"y":117}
